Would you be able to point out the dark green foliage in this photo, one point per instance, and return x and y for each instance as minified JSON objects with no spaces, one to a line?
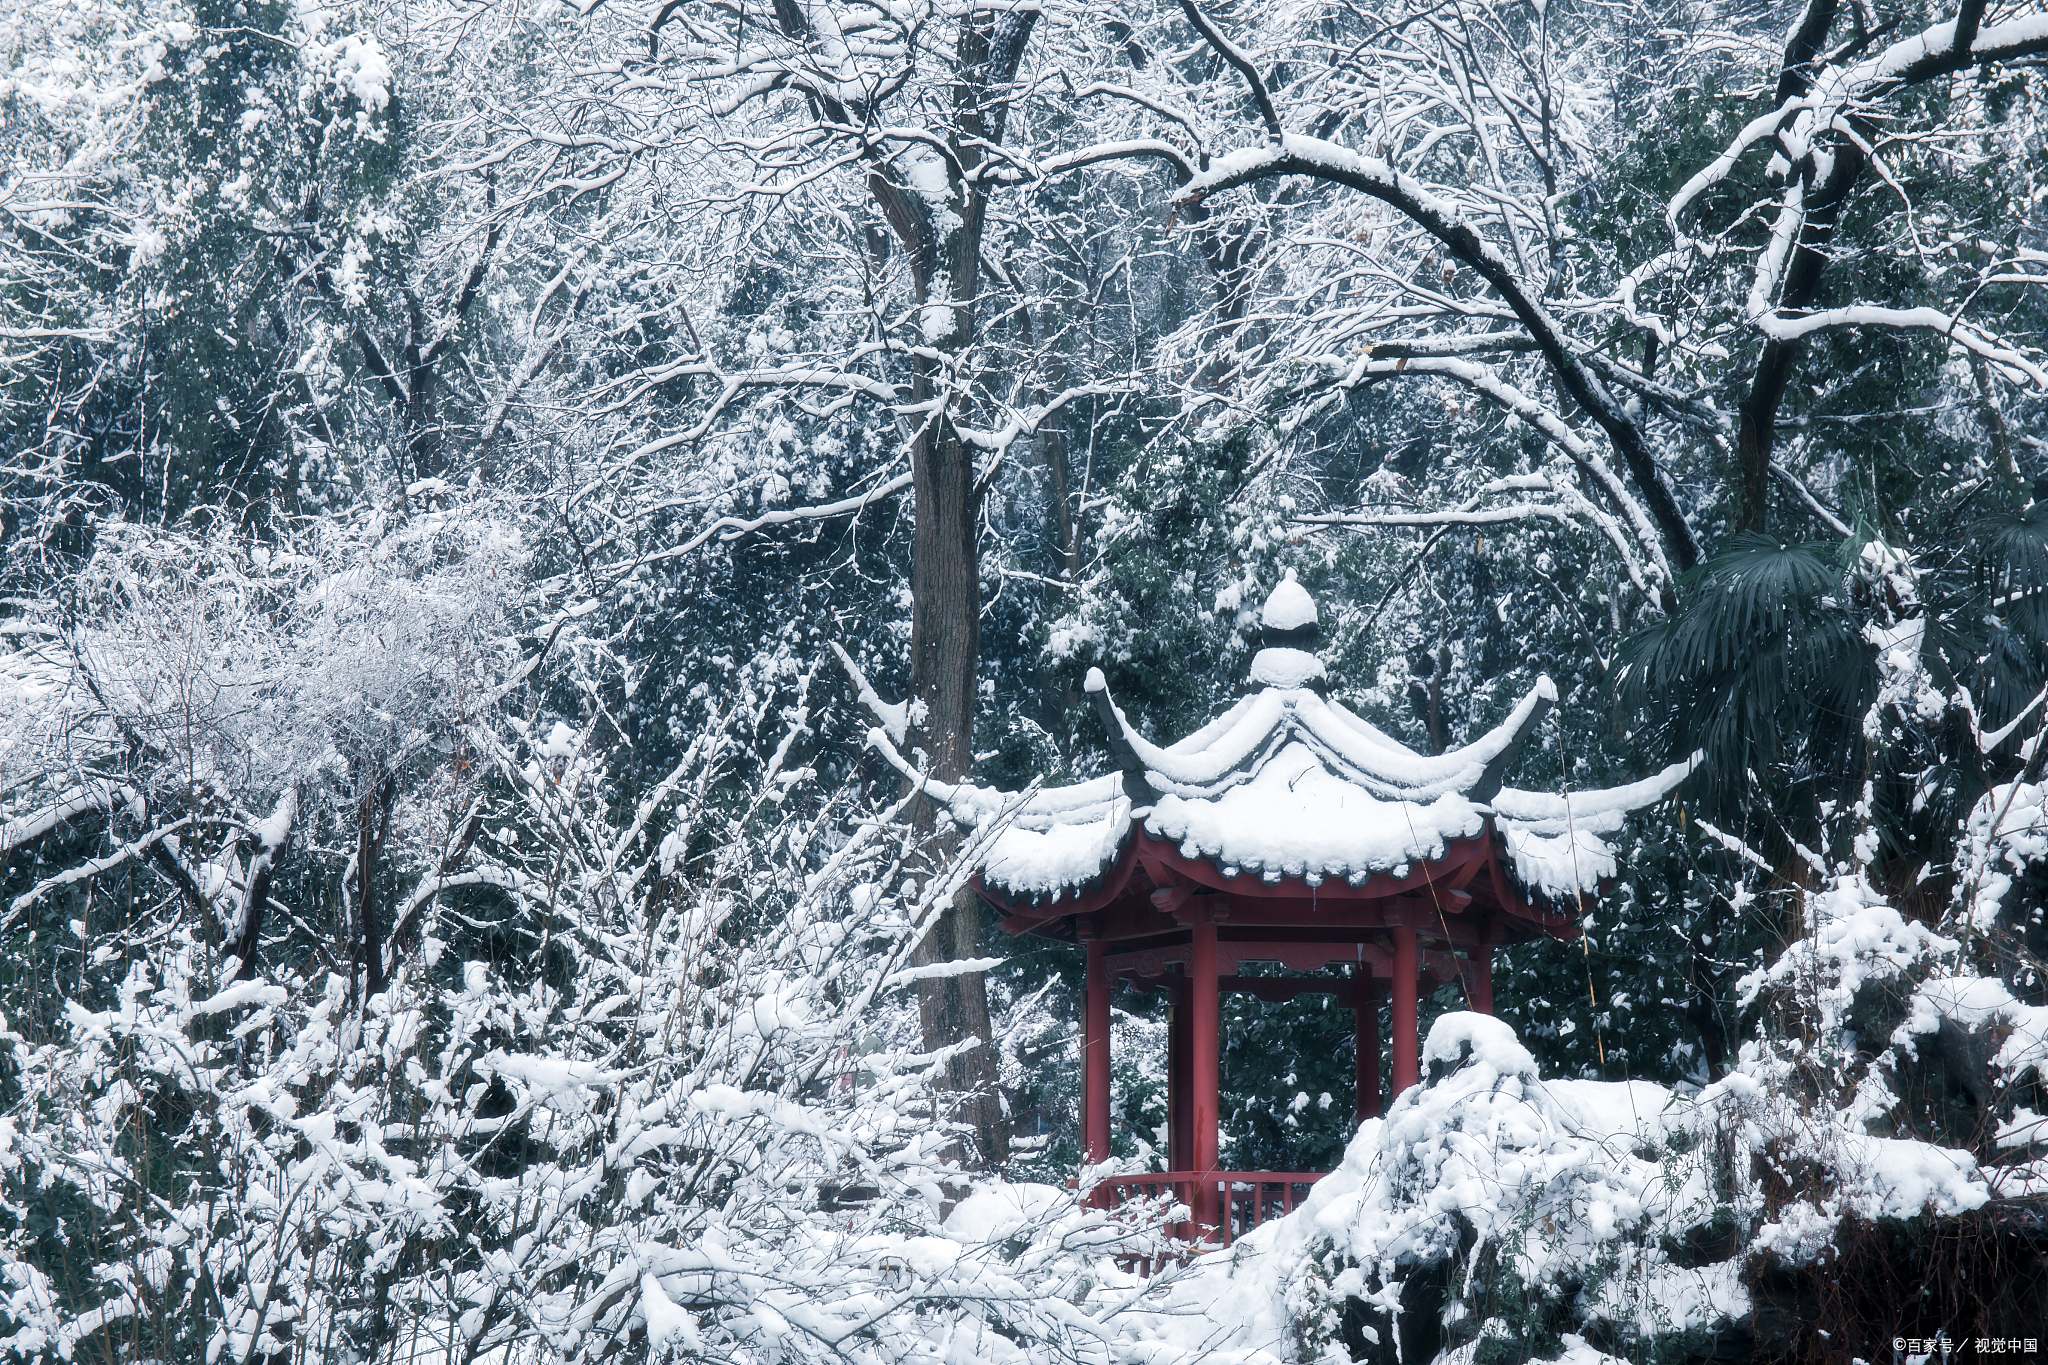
{"x":1770,"y":668}
{"x":1763,"y":667}
{"x":1150,"y":617}
{"x":1287,"y":1083}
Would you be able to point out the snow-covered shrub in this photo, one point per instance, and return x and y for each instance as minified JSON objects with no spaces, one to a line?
{"x":1877,"y":1026}
{"x":1494,"y":1214}
{"x":513,"y":1056}
{"x":2003,"y":871}
{"x":1489,"y":1201}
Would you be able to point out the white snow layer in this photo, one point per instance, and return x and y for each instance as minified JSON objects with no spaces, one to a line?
{"x":1218,"y":754}
{"x":1555,"y":841}
{"x":362,"y":69}
{"x":1281,"y":667}
{"x":1559,"y":864}
{"x":1289,"y":607}
{"x":1297,"y":818}
{"x":1600,"y":811}
{"x":2007,"y":832}
{"x":1853,"y":935}
{"x":1288,"y":783}
{"x":1026,"y":861}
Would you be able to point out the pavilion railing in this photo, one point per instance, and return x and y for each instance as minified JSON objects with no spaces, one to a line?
{"x":1238,"y":1200}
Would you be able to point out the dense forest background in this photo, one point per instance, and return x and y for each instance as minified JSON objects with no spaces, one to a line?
{"x":441,"y":444}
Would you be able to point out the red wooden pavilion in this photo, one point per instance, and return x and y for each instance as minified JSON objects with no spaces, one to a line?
{"x":1289,"y":831}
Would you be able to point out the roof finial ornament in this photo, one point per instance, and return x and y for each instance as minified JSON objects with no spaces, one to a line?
{"x":1288,"y":626}
{"x":1290,"y":620}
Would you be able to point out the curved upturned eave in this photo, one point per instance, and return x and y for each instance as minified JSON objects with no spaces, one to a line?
{"x":1084,"y":899}
{"x":1244,"y":736}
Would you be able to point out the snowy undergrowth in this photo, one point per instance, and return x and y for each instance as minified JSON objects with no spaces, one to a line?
{"x":707,"y":1135}
{"x":1491,"y":1204}
{"x":589,"y":1070}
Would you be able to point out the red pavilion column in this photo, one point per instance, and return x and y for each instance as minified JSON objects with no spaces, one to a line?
{"x":1479,"y":979}
{"x":1407,"y":966}
{"x":1204,"y":1041}
{"x":1366,"y":1033}
{"x":1179,"y":1127}
{"x":1095,"y":1056}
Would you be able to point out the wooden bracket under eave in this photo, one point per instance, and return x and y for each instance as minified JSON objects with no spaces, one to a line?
{"x":1192,"y":905}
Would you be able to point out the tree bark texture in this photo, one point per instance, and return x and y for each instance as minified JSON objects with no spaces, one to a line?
{"x":945,"y":646}
{"x":945,"y":573}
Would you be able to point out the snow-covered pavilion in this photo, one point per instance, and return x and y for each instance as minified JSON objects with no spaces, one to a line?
{"x":1290,"y":831}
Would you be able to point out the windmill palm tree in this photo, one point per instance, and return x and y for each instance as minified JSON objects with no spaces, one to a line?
{"x":1823,"y":678}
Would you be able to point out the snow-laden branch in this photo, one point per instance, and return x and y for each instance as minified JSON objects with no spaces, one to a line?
{"x":894,"y":716}
{"x":1736,"y":846}
{"x":1757,"y":130}
{"x":88,"y":798}
{"x":1294,"y":154}
{"x":91,"y":868}
{"x":1988,"y":740}
{"x":1783,"y":328}
{"x":1027,"y":422}
{"x":733,"y":528}
{"x":1132,"y":149}
{"x":1641,"y":549}
{"x":1164,"y":108}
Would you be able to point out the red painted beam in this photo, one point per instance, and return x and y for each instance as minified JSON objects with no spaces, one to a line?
{"x":1299,"y":956}
{"x":1147,"y":962}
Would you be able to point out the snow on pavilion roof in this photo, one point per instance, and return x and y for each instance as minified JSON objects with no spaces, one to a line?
{"x":1288,"y":783}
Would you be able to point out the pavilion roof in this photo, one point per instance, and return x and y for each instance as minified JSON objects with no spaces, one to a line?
{"x":1290,"y":783}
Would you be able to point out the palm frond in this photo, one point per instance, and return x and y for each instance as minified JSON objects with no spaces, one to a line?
{"x":1763,"y":665}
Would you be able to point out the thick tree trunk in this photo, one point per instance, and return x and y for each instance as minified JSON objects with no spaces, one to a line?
{"x":945,"y":647}
{"x":945,"y":573}
{"x":945,"y":613}
{"x":953,"y":1008}
{"x":945,"y":651}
